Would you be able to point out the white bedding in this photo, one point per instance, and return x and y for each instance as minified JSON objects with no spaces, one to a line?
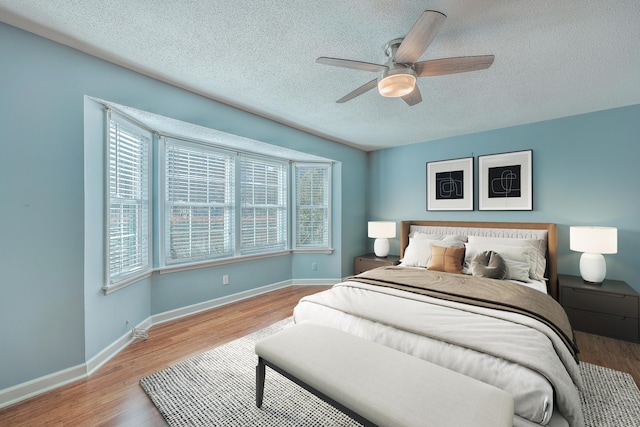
{"x":520,"y":355}
{"x":538,"y":285}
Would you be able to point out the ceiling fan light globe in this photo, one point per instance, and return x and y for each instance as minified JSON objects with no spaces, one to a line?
{"x":396,"y":83}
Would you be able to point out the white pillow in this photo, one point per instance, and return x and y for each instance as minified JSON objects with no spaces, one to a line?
{"x":516,"y":258}
{"x":417,"y":235}
{"x":441,"y":237}
{"x":537,"y":252}
{"x":418,"y":253}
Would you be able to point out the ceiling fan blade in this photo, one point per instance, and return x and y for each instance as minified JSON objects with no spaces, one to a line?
{"x":462,"y":64}
{"x":419,"y":37}
{"x":359,"y":91}
{"x":414,"y":97}
{"x":348,"y":63}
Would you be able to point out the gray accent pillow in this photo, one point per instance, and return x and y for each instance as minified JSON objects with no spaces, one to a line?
{"x":489,"y":264}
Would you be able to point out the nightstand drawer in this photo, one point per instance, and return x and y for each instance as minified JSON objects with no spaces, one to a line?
{"x":363,"y":263}
{"x":625,"y":328}
{"x":367,"y":264}
{"x":601,"y":302}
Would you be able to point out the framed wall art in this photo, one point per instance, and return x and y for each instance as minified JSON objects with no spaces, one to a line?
{"x":450,"y":185}
{"x":505,"y":181}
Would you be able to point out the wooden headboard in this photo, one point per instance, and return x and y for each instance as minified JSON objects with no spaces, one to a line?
{"x":552,"y":241}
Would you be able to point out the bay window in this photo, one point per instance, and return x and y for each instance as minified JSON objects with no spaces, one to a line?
{"x":213,"y":202}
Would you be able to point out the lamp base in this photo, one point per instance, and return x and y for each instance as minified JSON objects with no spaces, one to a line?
{"x":593,"y":268}
{"x":381,"y":248}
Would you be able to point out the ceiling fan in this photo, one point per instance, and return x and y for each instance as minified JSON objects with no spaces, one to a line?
{"x":397,"y":77}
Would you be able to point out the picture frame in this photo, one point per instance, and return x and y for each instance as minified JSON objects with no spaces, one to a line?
{"x":505,"y":181}
{"x":450,"y":185}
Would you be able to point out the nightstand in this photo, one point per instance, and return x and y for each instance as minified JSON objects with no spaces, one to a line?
{"x":610,"y":309}
{"x":370,"y":261}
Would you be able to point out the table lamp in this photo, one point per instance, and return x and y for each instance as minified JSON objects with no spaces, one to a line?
{"x":381,"y":231}
{"x":593,"y":242}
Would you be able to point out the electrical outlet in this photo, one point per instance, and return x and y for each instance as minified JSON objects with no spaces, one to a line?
{"x":314,"y":266}
{"x":225,"y":279}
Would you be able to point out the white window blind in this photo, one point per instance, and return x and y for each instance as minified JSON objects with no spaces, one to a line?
{"x":199,"y":202}
{"x":264,"y":215}
{"x":128,"y":201}
{"x":312,"y":210}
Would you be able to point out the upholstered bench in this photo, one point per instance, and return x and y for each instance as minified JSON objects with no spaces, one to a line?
{"x":377,"y":385}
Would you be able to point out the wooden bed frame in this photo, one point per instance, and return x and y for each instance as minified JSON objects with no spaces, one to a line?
{"x":552,"y":241}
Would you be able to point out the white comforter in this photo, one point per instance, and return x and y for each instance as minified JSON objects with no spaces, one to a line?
{"x":513,"y":352}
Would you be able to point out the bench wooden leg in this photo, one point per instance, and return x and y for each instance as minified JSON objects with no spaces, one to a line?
{"x":260,"y":377}
{"x":260,"y":373}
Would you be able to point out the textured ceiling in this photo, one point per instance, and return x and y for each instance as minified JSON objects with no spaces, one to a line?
{"x":552,"y":58}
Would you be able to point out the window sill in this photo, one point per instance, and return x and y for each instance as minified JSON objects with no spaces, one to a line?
{"x":109,"y":289}
{"x":313,"y":251}
{"x":192,"y":266}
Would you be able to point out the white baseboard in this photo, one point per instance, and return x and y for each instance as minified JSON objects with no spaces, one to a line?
{"x":19,"y":392}
{"x":114,"y":348}
{"x":156,"y":319}
{"x":37,"y":386}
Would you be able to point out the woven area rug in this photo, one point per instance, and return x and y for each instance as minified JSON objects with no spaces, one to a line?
{"x":217,"y":388}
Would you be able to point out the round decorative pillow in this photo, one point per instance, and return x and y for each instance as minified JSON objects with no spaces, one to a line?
{"x":489,"y":264}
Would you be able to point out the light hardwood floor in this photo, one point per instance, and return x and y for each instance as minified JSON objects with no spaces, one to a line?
{"x":113,"y":397}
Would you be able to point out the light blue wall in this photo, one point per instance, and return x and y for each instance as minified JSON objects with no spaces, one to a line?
{"x":41,"y":188}
{"x":53,"y":314}
{"x":585,"y":172}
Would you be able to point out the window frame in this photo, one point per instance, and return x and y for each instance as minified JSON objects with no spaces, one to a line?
{"x":326,"y":247}
{"x":283,"y":206}
{"x":161,"y":193}
{"x":114,"y":282}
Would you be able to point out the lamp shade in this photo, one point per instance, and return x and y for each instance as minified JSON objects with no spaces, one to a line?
{"x":396,"y":85}
{"x":382,"y":229}
{"x":396,"y":81}
{"x":594,"y":240}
